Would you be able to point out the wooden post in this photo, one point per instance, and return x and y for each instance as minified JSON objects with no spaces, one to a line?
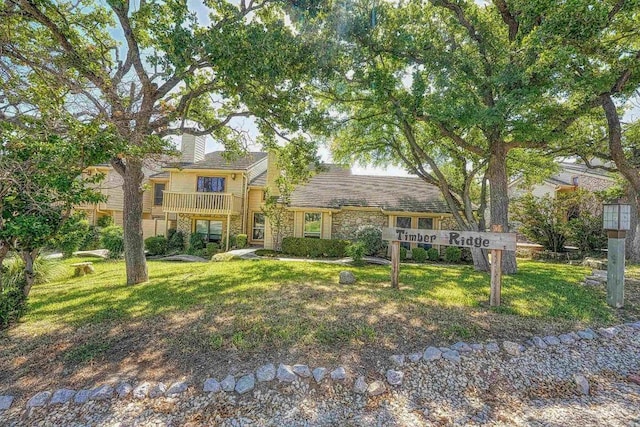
{"x":228,"y":231}
{"x":395,"y":264}
{"x":496,"y":271}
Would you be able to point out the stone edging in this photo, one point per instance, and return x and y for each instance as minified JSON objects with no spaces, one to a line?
{"x":289,"y":374}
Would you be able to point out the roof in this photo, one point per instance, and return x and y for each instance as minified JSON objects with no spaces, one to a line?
{"x":216,"y":160}
{"x":337,"y":187}
{"x":161,"y":175}
{"x":260,"y":180}
{"x":584,"y":169}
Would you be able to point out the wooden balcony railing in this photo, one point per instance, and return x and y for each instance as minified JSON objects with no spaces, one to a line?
{"x":202,"y":203}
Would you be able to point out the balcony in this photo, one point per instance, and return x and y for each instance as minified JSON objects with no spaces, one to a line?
{"x":202,"y":203}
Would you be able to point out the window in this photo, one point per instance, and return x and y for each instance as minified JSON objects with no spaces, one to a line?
{"x":211,"y":231}
{"x":258,"y":226}
{"x":404,"y":222}
{"x":157,"y":194}
{"x":574,"y":180}
{"x":210,"y":184}
{"x":425,"y":224}
{"x":312,"y":224}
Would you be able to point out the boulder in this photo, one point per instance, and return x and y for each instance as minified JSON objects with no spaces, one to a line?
{"x":211,"y":385}
{"x":394,"y":377}
{"x":39,"y":399}
{"x":266,"y":373}
{"x":360,"y":386}
{"x":376,"y":388}
{"x":245,"y":384}
{"x":319,"y":374}
{"x":61,"y":396}
{"x":346,"y":278}
{"x":285,"y":374}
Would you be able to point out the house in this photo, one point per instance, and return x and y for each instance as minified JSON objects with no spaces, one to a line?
{"x":219,"y":197}
{"x":572,"y":176}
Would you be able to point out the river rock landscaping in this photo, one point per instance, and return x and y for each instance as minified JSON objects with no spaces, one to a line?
{"x":588,"y":381}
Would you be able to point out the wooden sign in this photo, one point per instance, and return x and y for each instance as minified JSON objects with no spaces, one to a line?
{"x":465,"y":239}
{"x":496,"y":241}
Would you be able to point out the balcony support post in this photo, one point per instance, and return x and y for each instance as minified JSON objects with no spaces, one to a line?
{"x":228,"y":230}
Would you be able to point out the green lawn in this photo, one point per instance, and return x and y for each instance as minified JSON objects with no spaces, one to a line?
{"x":197,"y":317}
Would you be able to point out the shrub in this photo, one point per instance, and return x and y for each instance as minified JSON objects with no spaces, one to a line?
{"x":371,"y":237}
{"x":419,"y":254}
{"x":13,"y":272}
{"x":241,"y":241}
{"x":12,"y":306}
{"x":223,"y":257}
{"x":156,"y":245}
{"x":403,"y":253}
{"x":72,"y":234}
{"x":211,"y":249}
{"x":356,"y":252}
{"x":175,"y":241}
{"x":91,"y":239}
{"x":104,"y":221}
{"x":452,"y":254}
{"x":196,"y":242}
{"x":112,"y":239}
{"x":433,"y":254}
{"x":308,"y":247}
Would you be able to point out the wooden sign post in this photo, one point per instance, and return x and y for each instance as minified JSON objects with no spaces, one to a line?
{"x":496,"y":241}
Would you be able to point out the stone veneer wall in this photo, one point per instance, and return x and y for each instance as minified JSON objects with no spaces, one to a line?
{"x":185,"y":222}
{"x":344,"y":224}
{"x":593,"y":184}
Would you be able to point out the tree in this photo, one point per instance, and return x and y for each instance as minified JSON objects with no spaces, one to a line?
{"x":163,"y":73}
{"x":41,"y":183}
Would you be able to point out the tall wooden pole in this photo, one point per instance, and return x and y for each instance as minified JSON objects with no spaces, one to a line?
{"x":496,"y":271}
{"x":395,"y":264}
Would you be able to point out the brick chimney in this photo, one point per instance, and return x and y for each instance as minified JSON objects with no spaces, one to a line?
{"x":192,"y":148}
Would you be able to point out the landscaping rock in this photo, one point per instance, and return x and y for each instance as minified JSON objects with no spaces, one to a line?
{"x":431,"y":353}
{"x":302,"y":371}
{"x":492,"y":347}
{"x":582,"y":384}
{"x":339,"y":374}
{"x":566,"y":339}
{"x":394,"y":377}
{"x":61,"y":396}
{"x":600,"y":264}
{"x":123,"y":389}
{"x":415,"y":357}
{"x":539,"y":342}
{"x":141,"y":391}
{"x":452,"y":356}
{"x":476,"y":347}
{"x":102,"y":392}
{"x":285,"y":374}
{"x":266,"y":373}
{"x":376,"y":388}
{"x":5,"y":402}
{"x":39,"y":399}
{"x":608,"y":332}
{"x":177,"y":388}
{"x":82,"y":396}
{"x":631,"y":378}
{"x":513,"y":348}
{"x":551,"y":340}
{"x":635,"y":325}
{"x":587,"y":334}
{"x":346,"y":278}
{"x":229,"y":383}
{"x":397,"y":359}
{"x":157,"y":390}
{"x":360,"y":386}
{"x":319,"y":374}
{"x":211,"y":385}
{"x":461,"y":347}
{"x":245,"y":384}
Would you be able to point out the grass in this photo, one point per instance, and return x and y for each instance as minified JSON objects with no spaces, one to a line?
{"x":198,"y":317}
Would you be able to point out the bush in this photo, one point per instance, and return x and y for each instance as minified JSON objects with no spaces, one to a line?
{"x":403,"y":253}
{"x":419,"y":254}
{"x":433,"y":254}
{"x":356,"y":252}
{"x":241,"y":241}
{"x":12,"y":306}
{"x":308,"y":247}
{"x":196,"y":242}
{"x":13,"y":272}
{"x":211,"y":249}
{"x":466,"y":256}
{"x":452,"y":254}
{"x":72,"y":235}
{"x":112,"y":239}
{"x":104,"y":221}
{"x":223,"y":257}
{"x":175,"y":241}
{"x":371,"y":237}
{"x":91,"y":239}
{"x":156,"y":245}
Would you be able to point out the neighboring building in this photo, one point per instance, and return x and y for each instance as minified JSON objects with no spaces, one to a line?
{"x":218,"y":198}
{"x":571,"y":177}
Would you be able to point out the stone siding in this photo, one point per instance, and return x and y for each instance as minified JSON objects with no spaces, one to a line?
{"x":591,"y":183}
{"x":185,"y":224}
{"x":345,"y":224}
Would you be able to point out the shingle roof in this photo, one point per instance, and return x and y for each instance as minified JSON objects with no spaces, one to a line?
{"x":337,"y":187}
{"x":160,"y":175}
{"x":260,"y":180}
{"x":582,"y":168}
{"x":216,"y":160}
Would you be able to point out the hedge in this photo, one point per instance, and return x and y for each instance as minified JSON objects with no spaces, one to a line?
{"x":309,"y":247}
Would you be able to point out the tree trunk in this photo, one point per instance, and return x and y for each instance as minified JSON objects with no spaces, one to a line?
{"x":135,"y":261}
{"x":633,"y":236}
{"x":29,"y":258}
{"x":499,"y":199}
{"x":480,"y":259}
{"x":4,"y":251}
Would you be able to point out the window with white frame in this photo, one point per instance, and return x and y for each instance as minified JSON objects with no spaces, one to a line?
{"x":312,"y":224}
{"x":258,"y":226}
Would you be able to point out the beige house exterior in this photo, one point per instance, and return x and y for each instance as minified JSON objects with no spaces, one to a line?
{"x":219,"y":198}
